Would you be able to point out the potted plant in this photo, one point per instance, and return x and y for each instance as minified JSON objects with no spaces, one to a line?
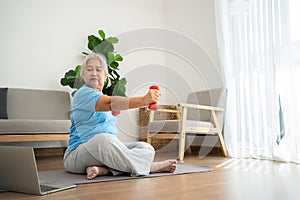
{"x":114,"y":85}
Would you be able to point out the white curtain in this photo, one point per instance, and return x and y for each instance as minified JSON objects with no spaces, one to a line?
{"x":261,"y":66}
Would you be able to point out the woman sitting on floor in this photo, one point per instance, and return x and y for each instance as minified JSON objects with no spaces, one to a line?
{"x":94,"y":147}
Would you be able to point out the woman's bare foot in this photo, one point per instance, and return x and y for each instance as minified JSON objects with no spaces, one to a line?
{"x":94,"y":171}
{"x":164,"y":166}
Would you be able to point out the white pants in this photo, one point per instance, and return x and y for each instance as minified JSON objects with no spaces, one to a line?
{"x":107,"y":150}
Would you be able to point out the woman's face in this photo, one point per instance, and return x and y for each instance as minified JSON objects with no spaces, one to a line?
{"x":94,"y":75}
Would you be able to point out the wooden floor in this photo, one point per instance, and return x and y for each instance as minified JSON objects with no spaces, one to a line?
{"x":230,"y":179}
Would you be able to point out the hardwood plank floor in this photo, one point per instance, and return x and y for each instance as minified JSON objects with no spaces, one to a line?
{"x":232,"y":179}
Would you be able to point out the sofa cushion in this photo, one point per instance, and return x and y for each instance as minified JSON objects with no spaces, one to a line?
{"x":23,"y":126}
{"x":38,"y":104}
{"x":3,"y":103}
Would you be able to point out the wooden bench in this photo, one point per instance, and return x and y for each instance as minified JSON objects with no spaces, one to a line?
{"x":33,"y":137}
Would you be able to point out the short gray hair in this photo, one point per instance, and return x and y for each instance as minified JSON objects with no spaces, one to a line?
{"x":100,"y":57}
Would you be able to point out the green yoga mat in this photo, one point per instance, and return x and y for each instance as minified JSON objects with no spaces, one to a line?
{"x":66,"y":177}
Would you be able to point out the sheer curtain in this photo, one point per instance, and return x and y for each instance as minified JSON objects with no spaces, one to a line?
{"x":261,"y":70}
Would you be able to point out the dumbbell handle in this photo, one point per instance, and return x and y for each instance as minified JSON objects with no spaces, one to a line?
{"x":153,"y":106}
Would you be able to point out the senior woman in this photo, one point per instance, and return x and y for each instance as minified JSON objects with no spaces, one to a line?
{"x":94,"y":147}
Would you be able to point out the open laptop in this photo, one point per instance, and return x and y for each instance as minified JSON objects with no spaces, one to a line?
{"x":18,"y":172}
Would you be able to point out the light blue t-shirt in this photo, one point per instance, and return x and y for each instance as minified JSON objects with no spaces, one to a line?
{"x":86,"y":122}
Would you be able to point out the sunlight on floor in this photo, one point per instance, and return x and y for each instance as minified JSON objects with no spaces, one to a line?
{"x":258,"y":166}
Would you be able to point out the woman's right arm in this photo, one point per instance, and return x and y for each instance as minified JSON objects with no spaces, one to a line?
{"x":108,"y":103}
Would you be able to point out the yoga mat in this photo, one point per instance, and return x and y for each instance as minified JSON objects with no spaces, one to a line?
{"x":66,"y":177}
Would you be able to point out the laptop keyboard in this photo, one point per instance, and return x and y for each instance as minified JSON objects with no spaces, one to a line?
{"x":46,"y":188}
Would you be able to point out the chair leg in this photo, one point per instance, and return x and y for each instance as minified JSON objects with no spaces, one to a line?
{"x":182,"y":134}
{"x":222,"y":143}
{"x":181,"y":149}
{"x":148,"y":140}
{"x":220,"y":136}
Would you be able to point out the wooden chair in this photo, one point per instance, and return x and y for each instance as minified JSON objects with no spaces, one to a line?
{"x":202,"y":115}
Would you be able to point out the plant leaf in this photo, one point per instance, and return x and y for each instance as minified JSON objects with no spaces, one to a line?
{"x":118,"y":57}
{"x":102,"y":34}
{"x":71,"y":73}
{"x":93,"y":42}
{"x":104,"y":47}
{"x":120,"y":89}
{"x":113,"y":40}
{"x":77,"y":70}
{"x":63,"y":82}
{"x":69,"y":82}
{"x":78,"y":82}
{"x":110,"y":57}
{"x":114,"y":65}
{"x":115,"y":74}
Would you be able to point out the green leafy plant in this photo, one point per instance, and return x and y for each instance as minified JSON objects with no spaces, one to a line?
{"x":114,"y":85}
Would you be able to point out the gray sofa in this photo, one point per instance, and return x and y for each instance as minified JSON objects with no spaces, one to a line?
{"x":34,"y":115}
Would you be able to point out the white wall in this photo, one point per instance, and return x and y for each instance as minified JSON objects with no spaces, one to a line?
{"x":198,"y":64}
{"x":41,"y":39}
{"x":196,"y":19}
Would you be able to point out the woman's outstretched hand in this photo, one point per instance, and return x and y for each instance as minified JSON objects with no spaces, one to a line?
{"x":152,"y":96}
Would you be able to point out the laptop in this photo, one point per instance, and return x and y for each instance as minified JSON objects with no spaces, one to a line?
{"x":18,"y":172}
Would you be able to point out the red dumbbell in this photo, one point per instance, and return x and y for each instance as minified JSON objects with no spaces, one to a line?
{"x":153,"y":106}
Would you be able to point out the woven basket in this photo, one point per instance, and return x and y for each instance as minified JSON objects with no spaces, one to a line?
{"x":166,"y":144}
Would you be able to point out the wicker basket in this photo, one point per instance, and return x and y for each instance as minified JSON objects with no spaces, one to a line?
{"x":165,"y":144}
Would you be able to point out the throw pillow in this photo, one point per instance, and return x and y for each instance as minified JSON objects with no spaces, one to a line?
{"x":3,"y":103}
